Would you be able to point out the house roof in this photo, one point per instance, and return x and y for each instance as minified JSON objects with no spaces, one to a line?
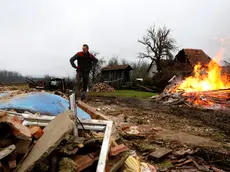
{"x":117,"y":67}
{"x":195,"y":55}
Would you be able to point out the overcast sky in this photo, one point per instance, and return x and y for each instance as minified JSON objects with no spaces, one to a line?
{"x":38,"y":37}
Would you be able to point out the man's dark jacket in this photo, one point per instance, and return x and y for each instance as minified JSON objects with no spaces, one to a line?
{"x":85,"y":61}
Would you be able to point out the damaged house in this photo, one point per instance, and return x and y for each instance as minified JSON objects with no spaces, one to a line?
{"x":182,"y":65}
{"x":190,"y":57}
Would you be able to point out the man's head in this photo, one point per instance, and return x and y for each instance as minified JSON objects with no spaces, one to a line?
{"x":85,"y":48}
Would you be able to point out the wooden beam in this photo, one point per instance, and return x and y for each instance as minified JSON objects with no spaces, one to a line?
{"x":91,"y":111}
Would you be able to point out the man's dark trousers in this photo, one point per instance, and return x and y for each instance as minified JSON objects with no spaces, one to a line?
{"x":85,"y":77}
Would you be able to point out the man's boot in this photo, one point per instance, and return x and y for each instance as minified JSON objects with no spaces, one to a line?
{"x":83,"y":95}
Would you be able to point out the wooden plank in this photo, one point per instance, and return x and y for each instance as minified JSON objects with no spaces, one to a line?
{"x":91,"y":111}
{"x":145,"y":88}
{"x":105,"y":147}
{"x":120,"y":163}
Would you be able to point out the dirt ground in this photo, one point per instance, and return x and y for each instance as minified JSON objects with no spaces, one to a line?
{"x":145,"y":125}
{"x":174,"y":127}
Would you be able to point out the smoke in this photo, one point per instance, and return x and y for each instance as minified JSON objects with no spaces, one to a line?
{"x":219,"y":56}
{"x":224,"y":42}
{"x":224,"y":51}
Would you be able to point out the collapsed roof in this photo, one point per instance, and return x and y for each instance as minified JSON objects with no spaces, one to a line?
{"x":193,"y":56}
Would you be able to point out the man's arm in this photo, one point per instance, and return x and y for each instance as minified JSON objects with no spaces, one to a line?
{"x":95,"y":60}
{"x":72,"y":59}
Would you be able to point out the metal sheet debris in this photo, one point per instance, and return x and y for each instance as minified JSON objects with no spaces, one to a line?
{"x":42,"y":102}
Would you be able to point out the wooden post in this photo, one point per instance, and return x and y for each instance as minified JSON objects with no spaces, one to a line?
{"x":74,"y":111}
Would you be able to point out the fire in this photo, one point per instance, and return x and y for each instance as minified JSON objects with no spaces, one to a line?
{"x":206,"y":78}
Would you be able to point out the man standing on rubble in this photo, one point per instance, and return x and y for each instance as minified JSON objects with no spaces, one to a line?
{"x":85,"y":61}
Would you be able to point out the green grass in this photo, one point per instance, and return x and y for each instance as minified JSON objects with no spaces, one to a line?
{"x":124,"y":93}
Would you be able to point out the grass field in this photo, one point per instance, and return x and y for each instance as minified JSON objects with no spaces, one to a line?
{"x":124,"y":93}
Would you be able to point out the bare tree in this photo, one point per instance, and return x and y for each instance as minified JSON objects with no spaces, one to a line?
{"x":225,"y":63}
{"x":7,"y":77}
{"x":139,"y":69}
{"x":124,"y":62}
{"x":226,"y":67}
{"x":113,"y":61}
{"x":96,"y":69}
{"x":158,"y":45}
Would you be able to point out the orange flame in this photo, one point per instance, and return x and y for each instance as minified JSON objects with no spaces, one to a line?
{"x":206,"y":78}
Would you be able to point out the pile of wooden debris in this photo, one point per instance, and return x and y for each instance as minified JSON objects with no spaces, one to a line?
{"x":16,"y":140}
{"x":60,"y":146}
{"x":214,"y":99}
{"x":102,"y":87}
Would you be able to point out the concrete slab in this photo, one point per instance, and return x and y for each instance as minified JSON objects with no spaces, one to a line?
{"x":54,"y":133}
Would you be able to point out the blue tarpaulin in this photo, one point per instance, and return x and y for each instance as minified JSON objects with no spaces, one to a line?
{"x":45,"y":103}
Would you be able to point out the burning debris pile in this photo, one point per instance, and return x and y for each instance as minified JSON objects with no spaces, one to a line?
{"x":102,"y":87}
{"x":209,"y":87}
{"x":215,"y":99}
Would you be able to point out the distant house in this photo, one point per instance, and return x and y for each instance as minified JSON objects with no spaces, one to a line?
{"x":119,"y":73}
{"x":152,"y":69}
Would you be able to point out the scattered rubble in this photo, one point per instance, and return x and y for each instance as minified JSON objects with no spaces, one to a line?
{"x":53,"y":135}
{"x":67,"y":165}
{"x":116,"y":162}
{"x":6,"y":151}
{"x":102,"y":87}
{"x":15,"y":140}
{"x":161,"y":129}
{"x":27,"y":146}
{"x":216,"y":99}
{"x":133,"y":164}
{"x":56,"y":147}
{"x":159,"y":154}
{"x":118,"y":149}
{"x":36,"y":132}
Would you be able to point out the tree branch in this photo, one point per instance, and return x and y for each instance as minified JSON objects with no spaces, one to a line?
{"x":159,"y":43}
{"x":144,"y":55}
